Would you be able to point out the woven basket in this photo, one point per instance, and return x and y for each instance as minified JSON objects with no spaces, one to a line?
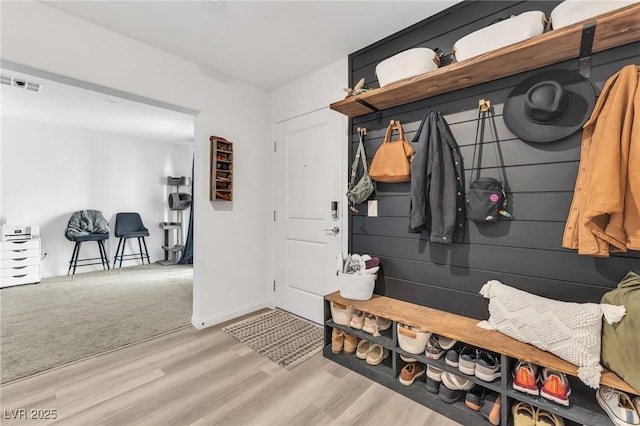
{"x":356,"y":286}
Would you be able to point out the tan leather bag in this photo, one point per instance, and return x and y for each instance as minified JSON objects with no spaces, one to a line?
{"x":392,"y":160}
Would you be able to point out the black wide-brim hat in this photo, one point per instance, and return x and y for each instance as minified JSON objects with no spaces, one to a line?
{"x":549,"y":106}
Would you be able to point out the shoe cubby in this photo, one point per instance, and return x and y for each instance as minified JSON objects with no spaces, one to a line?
{"x":221,"y":172}
{"x":385,"y":339}
{"x":583,"y":408}
{"x":495,"y":385}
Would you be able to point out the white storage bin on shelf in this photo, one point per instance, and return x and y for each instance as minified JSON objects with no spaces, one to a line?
{"x":410,"y":63}
{"x":571,"y":11}
{"x":356,"y":286}
{"x":500,"y":34}
{"x":412,"y":339}
{"x":341,"y":314}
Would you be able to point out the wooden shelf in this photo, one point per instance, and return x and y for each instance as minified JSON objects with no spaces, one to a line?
{"x":465,"y":329}
{"x":613,"y":29}
{"x":221,"y":188}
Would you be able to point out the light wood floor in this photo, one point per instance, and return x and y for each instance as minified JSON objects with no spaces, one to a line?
{"x":206,"y":377}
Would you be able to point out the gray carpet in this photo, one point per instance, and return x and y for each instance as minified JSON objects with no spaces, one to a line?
{"x":58,"y":321}
{"x":280,"y":336}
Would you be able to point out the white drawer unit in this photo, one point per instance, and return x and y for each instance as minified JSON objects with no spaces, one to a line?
{"x":19,"y":262}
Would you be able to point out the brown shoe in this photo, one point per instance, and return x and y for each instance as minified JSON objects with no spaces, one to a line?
{"x":411,"y":372}
{"x":337,"y":341}
{"x":350,"y":343}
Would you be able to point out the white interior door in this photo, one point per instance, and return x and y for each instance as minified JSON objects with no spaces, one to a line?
{"x":309,"y":159}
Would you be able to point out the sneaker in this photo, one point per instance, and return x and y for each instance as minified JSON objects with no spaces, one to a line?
{"x":434,"y":373}
{"x":618,"y":406}
{"x":370,"y":325}
{"x":490,"y":409}
{"x":525,"y":378}
{"x":433,"y":350}
{"x":452,"y":357}
{"x":487,"y":366}
{"x":357,"y":320}
{"x":446,"y":343}
{"x":434,"y":379}
{"x":474,"y":398}
{"x":383,"y":323}
{"x":453,"y":387}
{"x":545,"y":418}
{"x":350,"y":343}
{"x":555,"y":386}
{"x":523,"y":414}
{"x":337,"y":341}
{"x":376,"y":354}
{"x":467,"y":360}
{"x":411,"y":372}
{"x":407,"y":359}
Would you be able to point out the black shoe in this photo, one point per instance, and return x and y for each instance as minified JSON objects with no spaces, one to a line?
{"x":475,"y":398}
{"x":450,"y":396}
{"x":433,"y":386}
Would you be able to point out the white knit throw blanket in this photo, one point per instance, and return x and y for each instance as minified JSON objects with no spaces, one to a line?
{"x":571,"y":331}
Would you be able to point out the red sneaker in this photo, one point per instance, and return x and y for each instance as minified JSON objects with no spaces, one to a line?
{"x":525,"y":378}
{"x":555,"y":386}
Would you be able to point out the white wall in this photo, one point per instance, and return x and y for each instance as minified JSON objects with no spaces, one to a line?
{"x":50,"y":171}
{"x":309,"y":93}
{"x":230,"y":238}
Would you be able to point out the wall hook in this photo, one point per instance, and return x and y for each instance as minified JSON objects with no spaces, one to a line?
{"x":362,"y":131}
{"x":484,"y":105}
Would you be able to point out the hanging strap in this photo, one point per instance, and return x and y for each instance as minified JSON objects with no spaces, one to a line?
{"x":394,"y":125}
{"x":479,"y":140}
{"x":482,"y":115}
{"x":360,"y":156}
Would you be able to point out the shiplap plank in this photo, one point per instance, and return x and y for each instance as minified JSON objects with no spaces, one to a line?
{"x":529,"y":206}
{"x":562,"y":265}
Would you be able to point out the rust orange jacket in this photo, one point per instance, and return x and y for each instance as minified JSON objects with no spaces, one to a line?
{"x":605,"y":212}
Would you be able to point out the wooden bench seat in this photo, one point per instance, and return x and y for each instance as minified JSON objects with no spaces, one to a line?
{"x":465,"y":329}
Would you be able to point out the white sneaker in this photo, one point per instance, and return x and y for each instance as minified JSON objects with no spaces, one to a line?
{"x":383,"y":323}
{"x":434,"y":373}
{"x":371,"y":325}
{"x":618,"y":406}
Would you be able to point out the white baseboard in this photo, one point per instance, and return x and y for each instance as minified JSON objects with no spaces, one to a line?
{"x":211,"y":320}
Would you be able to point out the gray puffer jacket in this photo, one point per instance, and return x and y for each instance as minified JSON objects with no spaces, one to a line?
{"x":85,"y":222}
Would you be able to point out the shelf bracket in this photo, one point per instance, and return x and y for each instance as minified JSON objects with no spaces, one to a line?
{"x":372,"y":108}
{"x":586,"y":44}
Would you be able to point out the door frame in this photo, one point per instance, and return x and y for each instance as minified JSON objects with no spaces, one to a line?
{"x":342,"y":205}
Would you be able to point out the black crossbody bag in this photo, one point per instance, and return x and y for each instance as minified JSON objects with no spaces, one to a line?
{"x":486,"y":197}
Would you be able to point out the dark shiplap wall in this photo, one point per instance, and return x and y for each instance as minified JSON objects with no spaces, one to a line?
{"x":525,"y":252}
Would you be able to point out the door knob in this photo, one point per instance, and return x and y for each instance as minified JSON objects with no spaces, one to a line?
{"x":335,"y":229}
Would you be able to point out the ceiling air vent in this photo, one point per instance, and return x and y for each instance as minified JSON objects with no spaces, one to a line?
{"x":33,"y":86}
{"x":21,"y":83}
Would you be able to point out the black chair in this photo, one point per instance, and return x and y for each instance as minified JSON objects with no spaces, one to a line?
{"x":129,"y":225}
{"x":87,"y":225}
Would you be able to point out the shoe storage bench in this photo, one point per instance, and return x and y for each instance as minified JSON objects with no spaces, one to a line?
{"x":583,"y":408}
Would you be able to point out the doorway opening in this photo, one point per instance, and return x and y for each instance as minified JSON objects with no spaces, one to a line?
{"x":70,"y":146}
